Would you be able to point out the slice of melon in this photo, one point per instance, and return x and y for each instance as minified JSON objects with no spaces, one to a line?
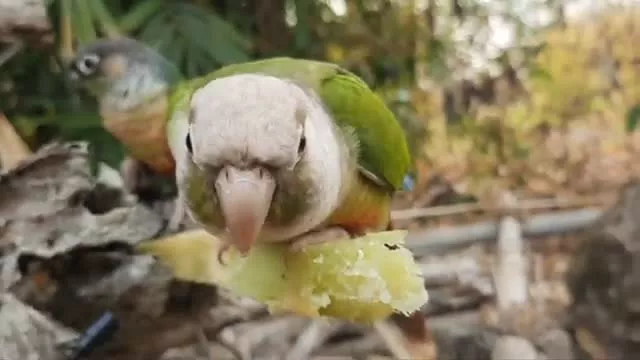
{"x":361,"y":280}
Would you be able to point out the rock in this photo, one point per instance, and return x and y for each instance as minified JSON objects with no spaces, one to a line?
{"x":68,"y":248}
{"x":26,"y":334}
{"x":604,"y":281}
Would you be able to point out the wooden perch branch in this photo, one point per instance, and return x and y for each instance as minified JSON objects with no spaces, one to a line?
{"x":440,"y":240}
{"x":511,"y":273}
{"x":528,"y":204}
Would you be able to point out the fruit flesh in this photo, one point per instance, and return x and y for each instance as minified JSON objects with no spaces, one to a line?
{"x":361,"y":280}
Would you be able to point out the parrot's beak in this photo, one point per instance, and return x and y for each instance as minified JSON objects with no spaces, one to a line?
{"x":245,"y":197}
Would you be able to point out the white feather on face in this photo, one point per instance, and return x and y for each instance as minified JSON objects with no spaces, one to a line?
{"x":257,"y":119}
{"x":253,"y":118}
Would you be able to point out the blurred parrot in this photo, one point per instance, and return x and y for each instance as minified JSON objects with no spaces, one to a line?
{"x":276,"y":150}
{"x":133,"y":84}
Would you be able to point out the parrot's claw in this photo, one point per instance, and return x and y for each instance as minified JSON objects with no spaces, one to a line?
{"x":221,"y":252}
{"x":178,"y":215}
{"x":318,"y":237}
{"x":175,"y":221}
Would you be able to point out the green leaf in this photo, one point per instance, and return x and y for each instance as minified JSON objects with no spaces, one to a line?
{"x":633,"y":117}
{"x":194,"y":38}
{"x":157,"y":24}
{"x":103,"y":147}
{"x":192,"y":67}
{"x":222,"y":26}
{"x":225,"y":29}
{"x":82,"y":20}
{"x":65,"y":8}
{"x":303,"y":27}
{"x":140,"y":14}
{"x":104,"y":17}
{"x":176,"y":51}
{"x":539,"y":73}
{"x":224,"y":44}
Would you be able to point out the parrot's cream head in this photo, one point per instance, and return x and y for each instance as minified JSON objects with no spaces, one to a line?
{"x":123,"y":72}
{"x":269,"y":156}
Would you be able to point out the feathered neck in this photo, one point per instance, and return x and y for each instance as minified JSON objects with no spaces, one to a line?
{"x":132,"y":91}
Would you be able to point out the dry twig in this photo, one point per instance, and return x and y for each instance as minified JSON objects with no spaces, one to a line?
{"x":313,"y":336}
{"x":529,"y":204}
{"x":445,"y":239}
{"x":13,"y":149}
{"x":393,"y":339}
{"x":10,"y":51}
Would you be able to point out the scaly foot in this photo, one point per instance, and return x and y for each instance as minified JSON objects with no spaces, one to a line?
{"x":177,"y":217}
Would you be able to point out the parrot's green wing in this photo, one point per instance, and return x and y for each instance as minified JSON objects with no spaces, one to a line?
{"x":384,"y":154}
{"x":178,"y":123}
{"x":384,"y":151}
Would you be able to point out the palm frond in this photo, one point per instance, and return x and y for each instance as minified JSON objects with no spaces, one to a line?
{"x":195,"y":38}
{"x":140,"y":14}
{"x":104,"y":18}
{"x":82,"y":20}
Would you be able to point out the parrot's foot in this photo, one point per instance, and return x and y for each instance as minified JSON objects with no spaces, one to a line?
{"x":175,"y":221}
{"x":318,"y":237}
{"x":223,"y":249}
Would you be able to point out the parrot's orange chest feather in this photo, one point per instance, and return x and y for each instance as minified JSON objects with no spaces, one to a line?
{"x":143,"y":133}
{"x":365,"y":208}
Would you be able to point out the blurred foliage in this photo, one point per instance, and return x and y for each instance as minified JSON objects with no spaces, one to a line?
{"x":543,"y":112}
{"x":564,"y":128}
{"x":199,"y":36}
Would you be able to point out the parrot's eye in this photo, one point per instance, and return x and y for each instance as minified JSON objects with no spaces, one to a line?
{"x":302,"y":145}
{"x":88,"y":64}
{"x":188,"y":144}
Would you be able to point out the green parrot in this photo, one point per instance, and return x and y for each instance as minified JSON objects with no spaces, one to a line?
{"x":134,"y":86}
{"x":277,"y":150}
{"x":135,"y":113}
